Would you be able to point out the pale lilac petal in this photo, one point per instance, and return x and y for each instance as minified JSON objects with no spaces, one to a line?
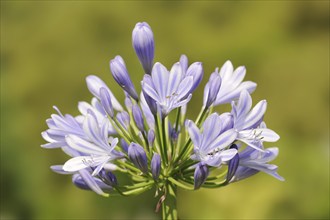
{"x":194,"y":133}
{"x":184,"y":63}
{"x":211,"y":129}
{"x":150,"y":91}
{"x":160,"y":77}
{"x":228,"y":154}
{"x":59,"y":169}
{"x":254,"y":118}
{"x":244,"y":104}
{"x":184,"y":87}
{"x":83,"y":146}
{"x":76,"y":163}
{"x":222,"y":141}
{"x":226,"y":71}
{"x":196,"y":71}
{"x":174,"y":79}
{"x":91,"y":182}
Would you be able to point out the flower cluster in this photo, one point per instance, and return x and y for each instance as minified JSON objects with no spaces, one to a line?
{"x":154,"y":149}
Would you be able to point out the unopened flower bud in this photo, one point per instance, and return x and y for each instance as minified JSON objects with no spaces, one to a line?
{"x":109,"y":177}
{"x":211,"y":89}
{"x":144,"y":46}
{"x":232,"y":165}
{"x":124,"y":119}
{"x":124,"y":145}
{"x":138,"y":117}
{"x":151,"y":137}
{"x":94,"y":85}
{"x":155,"y":166}
{"x":106,"y":101}
{"x":200,"y":175}
{"x":138,"y":156}
{"x":93,"y":183}
{"x":120,"y":74}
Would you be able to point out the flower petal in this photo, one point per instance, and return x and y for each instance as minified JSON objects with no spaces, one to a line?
{"x":194,"y":133}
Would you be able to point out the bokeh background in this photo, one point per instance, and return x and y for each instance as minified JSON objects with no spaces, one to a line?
{"x":48,"y":48}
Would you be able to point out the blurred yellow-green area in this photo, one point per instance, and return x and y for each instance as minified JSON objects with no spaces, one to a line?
{"x":49,"y":47}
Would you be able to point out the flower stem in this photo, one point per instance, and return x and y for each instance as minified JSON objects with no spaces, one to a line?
{"x":169,"y":210}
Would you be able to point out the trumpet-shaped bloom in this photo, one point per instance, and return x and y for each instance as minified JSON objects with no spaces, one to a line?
{"x":232,"y":84}
{"x":98,"y":150}
{"x":252,"y":161}
{"x":59,"y":127}
{"x":168,"y":89}
{"x":211,"y":141}
{"x":248,"y":124}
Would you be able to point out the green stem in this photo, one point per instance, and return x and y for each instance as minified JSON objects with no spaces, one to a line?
{"x":164,"y":140}
{"x":169,"y":211}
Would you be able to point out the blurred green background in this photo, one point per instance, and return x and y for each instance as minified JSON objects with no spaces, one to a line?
{"x":48,"y":48}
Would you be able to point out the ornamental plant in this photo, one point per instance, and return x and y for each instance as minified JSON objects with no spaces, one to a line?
{"x":155,"y":151}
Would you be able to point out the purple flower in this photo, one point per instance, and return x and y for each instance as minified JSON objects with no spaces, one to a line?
{"x":211,"y":141}
{"x":98,"y":150}
{"x":94,"y":85}
{"x":151,"y":137}
{"x":124,"y":145}
{"x":144,"y":46}
{"x":89,"y":182}
{"x":105,"y":99}
{"x":168,"y":89}
{"x":98,"y":111}
{"x":108,"y":177}
{"x":120,"y":74}
{"x":248,"y":124}
{"x":252,"y":161}
{"x":138,"y":118}
{"x":60,"y":126}
{"x":232,"y":164}
{"x":124,"y":119}
{"x":200,"y":175}
{"x":232,"y":84}
{"x":138,"y":156}
{"x":84,"y":180}
{"x":146,"y":109}
{"x":211,"y":89}
{"x":155,"y":166}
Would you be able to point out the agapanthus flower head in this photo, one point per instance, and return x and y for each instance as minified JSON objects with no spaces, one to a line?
{"x":160,"y":148}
